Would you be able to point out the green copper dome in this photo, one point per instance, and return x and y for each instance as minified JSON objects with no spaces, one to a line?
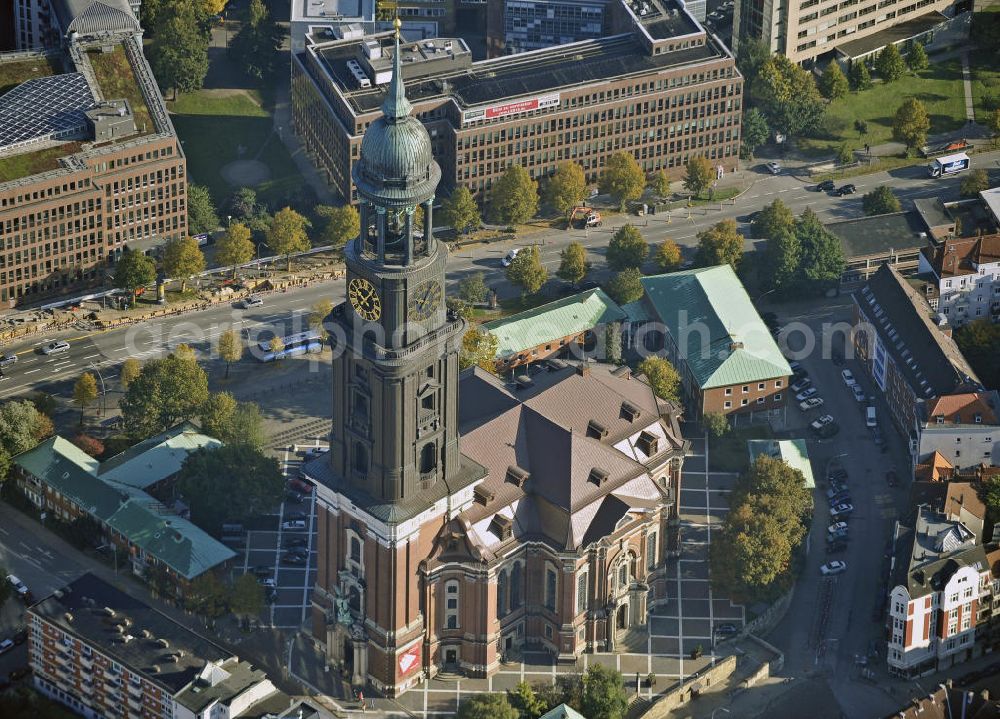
{"x":396,"y":166}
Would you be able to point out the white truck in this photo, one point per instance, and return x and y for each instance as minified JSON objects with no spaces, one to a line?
{"x":948,"y":164}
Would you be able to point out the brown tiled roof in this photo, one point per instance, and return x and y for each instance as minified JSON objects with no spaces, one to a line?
{"x":962,"y":495}
{"x":962,"y":408}
{"x":957,"y":255}
{"x":936,"y":469}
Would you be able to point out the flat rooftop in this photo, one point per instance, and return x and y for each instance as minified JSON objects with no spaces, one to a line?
{"x":79,"y":610}
{"x":876,"y":235}
{"x":891,"y":35}
{"x":330,"y":10}
{"x":531,"y":73}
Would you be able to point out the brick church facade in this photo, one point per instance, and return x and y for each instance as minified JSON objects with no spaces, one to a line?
{"x":462,"y":518}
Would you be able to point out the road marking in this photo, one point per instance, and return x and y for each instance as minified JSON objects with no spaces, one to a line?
{"x":39,"y":369}
{"x":92,"y":356}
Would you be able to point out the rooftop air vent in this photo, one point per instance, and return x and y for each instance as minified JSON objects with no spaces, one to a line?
{"x":517,"y":476}
{"x":648,"y":443}
{"x":598,"y":476}
{"x":630,"y":411}
{"x":502,"y":526}
{"x":596,"y":430}
{"x":482,"y":495}
{"x":68,"y":616}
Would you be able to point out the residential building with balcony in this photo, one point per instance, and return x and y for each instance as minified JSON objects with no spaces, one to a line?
{"x":103,"y":653}
{"x":966,"y":273}
{"x":963,"y":428}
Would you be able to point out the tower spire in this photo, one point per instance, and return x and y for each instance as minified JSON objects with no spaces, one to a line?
{"x":396,"y":106}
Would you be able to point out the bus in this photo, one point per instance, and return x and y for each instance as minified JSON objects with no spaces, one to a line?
{"x":948,"y":165}
{"x":292,"y":345}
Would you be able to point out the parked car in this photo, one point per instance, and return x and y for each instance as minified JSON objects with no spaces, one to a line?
{"x":819,"y":423}
{"x":839,"y":536}
{"x":8,"y":360}
{"x":509,"y":257}
{"x":839,"y":499}
{"x":796,"y":367}
{"x":20,"y":587}
{"x":727,"y":630}
{"x":834,"y":567}
{"x":836,"y":527}
{"x":774,"y":167}
{"x":859,"y":394}
{"x":292,"y":516}
{"x":838,"y":545}
{"x":315,"y":452}
{"x":801,"y":384}
{"x":811,"y":403}
{"x":847,"y":189}
{"x":295,"y":497}
{"x":269,"y":583}
{"x":806,"y":394}
{"x":54,"y":348}
{"x":6,"y":645}
{"x":891,"y":478}
{"x":837,"y":475}
{"x":295,"y":542}
{"x":826,"y":186}
{"x":294,"y":525}
{"x":848,"y":377}
{"x":835,"y":491}
{"x":877,"y":437}
{"x":828,"y":430}
{"x":299,"y":485}
{"x":262,"y":570}
{"x":291,"y":558}
{"x":251,"y":301}
{"x":842,"y":509}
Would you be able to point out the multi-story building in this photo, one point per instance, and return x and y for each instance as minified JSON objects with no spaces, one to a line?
{"x":939,"y":581}
{"x":104,"y":653}
{"x":868,"y":243}
{"x":963,"y":428}
{"x":83,"y":172}
{"x":536,"y":25}
{"x":804,"y":31}
{"x":656,"y":86}
{"x":460,"y":518}
{"x":966,"y":274}
{"x":909,"y":359}
{"x":704,"y":322}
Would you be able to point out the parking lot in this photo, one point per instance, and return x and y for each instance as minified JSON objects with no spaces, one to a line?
{"x":266,"y":548}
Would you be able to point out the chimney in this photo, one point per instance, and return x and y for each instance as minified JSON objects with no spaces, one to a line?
{"x":583,"y":369}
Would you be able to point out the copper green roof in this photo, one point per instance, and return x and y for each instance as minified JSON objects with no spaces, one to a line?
{"x":563,"y":711}
{"x":719,"y":333}
{"x":156,"y":458}
{"x":792,"y":452}
{"x":116,"y":500}
{"x":562,"y":318}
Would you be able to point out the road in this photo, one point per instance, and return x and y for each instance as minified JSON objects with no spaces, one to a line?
{"x":287,"y":311}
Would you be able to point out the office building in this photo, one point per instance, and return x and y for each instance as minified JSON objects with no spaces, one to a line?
{"x":83,"y":174}
{"x":656,"y":86}
{"x":104,"y":653}
{"x":460,"y":518}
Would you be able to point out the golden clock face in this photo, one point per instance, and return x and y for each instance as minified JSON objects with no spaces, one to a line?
{"x":364,"y":299}
{"x":424,"y":301}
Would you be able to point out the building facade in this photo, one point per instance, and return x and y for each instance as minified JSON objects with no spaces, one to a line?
{"x":966,"y":273}
{"x":73,"y":196}
{"x":658,"y":87}
{"x":460,"y":518}
{"x":962,"y":428}
{"x":104,"y":653}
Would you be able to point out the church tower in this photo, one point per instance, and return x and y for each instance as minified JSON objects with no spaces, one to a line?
{"x":394,"y":468}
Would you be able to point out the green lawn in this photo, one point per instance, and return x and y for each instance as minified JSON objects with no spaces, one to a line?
{"x":939,"y":88}
{"x":115,"y":76}
{"x":13,"y":74}
{"x":985,"y":84}
{"x":31,"y":163}
{"x":213,"y":126}
{"x":729,"y":453}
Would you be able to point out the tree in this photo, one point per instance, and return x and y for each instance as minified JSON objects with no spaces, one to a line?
{"x":622,"y":178}
{"x":45,"y":403}
{"x":774,"y":218}
{"x":861,"y":78}
{"x":276,"y":344}
{"x":625,"y":286}
{"x":182,"y":258}
{"x":256,"y":46}
{"x":244,"y":203}
{"x":833,"y":83}
{"x":91,"y":445}
{"x":822,"y":259}
{"x":911,"y":123}
{"x":667,"y":256}
{"x":527,"y":271}
{"x":185,"y":352}
{"x":716,"y":424}
{"x":207,"y":596}
{"x":845,"y":155}
{"x":980,"y":343}
{"x":216,"y":414}
{"x":784,"y":257}
{"x":247,"y":596}
{"x":321,"y":309}
{"x":787,"y":94}
{"x":179,"y":52}
{"x":133,"y":270}
{"x":201,"y":210}
{"x":880,"y":201}
{"x":246,"y":427}
{"x":341,"y":224}
{"x":917,"y":58}
{"x":235,"y":247}
{"x":719,"y":245}
{"x":627,"y":248}
{"x":22,"y":426}
{"x":755,"y":132}
{"x":604,"y":694}
{"x":661,"y":183}
{"x":84,"y":392}
{"x":167,"y":391}
{"x":890,"y":64}
{"x":229,"y":483}
{"x":993,"y":122}
{"x":613,"y":342}
{"x":129,"y":371}
{"x":460,"y":212}
{"x":524,"y":700}
{"x":514,"y":197}
{"x":573,"y":264}
{"x":564,"y":190}
{"x":479,"y":347}
{"x":662,"y":377}
{"x":975,"y":182}
{"x":699,"y":175}
{"x":287,"y":234}
{"x":751,"y":56}
{"x":486,"y":706}
{"x":472,"y":288}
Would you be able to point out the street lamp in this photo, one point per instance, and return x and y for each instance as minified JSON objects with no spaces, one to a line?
{"x":104,"y":393}
{"x":720,"y":709}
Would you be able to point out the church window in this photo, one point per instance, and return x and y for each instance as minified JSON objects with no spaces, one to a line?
{"x":428,"y":458}
{"x":451,"y":604}
{"x":516,"y":586}
{"x":502,"y":594}
{"x":623,"y":575}
{"x":651,"y":551}
{"x":360,"y":458}
{"x":427,"y":402}
{"x":551,"y":580}
{"x":582,"y":597}
{"x":355,"y":550}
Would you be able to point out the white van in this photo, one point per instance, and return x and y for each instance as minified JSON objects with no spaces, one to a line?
{"x":870,"y":416}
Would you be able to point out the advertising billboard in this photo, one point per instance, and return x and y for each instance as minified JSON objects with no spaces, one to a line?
{"x":494,"y":112}
{"x":409,"y":660}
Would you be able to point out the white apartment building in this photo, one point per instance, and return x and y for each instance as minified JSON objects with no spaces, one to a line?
{"x":963,"y":428}
{"x":966,"y":271}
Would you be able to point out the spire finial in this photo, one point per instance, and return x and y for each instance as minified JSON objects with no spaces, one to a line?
{"x":396,"y":106}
